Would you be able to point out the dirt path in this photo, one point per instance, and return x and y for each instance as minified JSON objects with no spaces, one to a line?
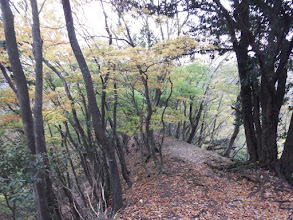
{"x":180,"y":149}
{"x":192,"y":190}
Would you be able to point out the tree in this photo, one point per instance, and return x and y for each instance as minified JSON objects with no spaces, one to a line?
{"x":265,"y":28}
{"x":34,"y":137}
{"x":286,"y":164}
{"x":95,"y":113}
{"x":237,"y":124}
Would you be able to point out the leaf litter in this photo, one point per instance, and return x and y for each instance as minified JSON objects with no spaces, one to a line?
{"x":190,"y":189}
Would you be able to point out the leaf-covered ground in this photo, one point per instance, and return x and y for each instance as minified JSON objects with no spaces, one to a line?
{"x":192,"y":190}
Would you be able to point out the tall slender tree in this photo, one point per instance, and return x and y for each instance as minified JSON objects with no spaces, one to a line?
{"x":33,"y":127}
{"x":38,"y":113}
{"x":94,"y":110}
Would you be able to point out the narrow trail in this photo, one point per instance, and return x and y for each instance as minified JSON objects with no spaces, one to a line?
{"x":192,"y":190}
{"x":188,"y":152}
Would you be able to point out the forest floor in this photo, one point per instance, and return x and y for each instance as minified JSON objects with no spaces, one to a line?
{"x":191,"y":189}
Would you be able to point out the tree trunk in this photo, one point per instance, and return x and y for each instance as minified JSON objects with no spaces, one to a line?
{"x":202,"y":137}
{"x":214,"y":128}
{"x":256,"y":113}
{"x":269,"y":127}
{"x":246,"y":94}
{"x":149,"y":140}
{"x":232,"y":140}
{"x":194,"y":124}
{"x":120,"y":152}
{"x":97,"y":124}
{"x":286,"y":161}
{"x":177,"y":132}
{"x":237,"y":125}
{"x":241,"y":49}
{"x":19,"y":77}
{"x":40,"y":142}
{"x":272,"y":60}
{"x":272,"y":57}
{"x":39,"y":189}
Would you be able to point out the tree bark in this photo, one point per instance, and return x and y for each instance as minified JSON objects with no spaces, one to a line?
{"x":286,"y":161}
{"x":19,"y":77}
{"x":269,"y":126}
{"x":39,"y":189}
{"x":97,"y":124}
{"x":241,"y":49}
{"x":237,"y":125}
{"x":40,"y":142}
{"x":272,"y":59}
{"x":246,"y":101}
{"x":149,"y":140}
{"x":194,"y":124}
{"x":232,"y":140}
{"x":125,"y":172}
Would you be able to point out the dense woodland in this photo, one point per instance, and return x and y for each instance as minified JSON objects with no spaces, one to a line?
{"x":84,"y":82}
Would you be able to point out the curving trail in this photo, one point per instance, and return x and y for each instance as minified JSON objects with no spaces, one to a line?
{"x":192,"y":190}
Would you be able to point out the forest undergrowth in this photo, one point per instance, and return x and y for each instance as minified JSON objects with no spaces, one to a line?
{"x":191,"y":189}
